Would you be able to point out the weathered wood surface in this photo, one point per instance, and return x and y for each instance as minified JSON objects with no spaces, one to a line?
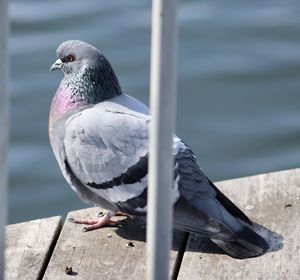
{"x":102,"y":254}
{"x":28,"y":248}
{"x":272,"y":200}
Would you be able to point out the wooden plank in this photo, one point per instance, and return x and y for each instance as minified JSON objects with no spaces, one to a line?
{"x":104,"y":253}
{"x":272,"y":200}
{"x":28,"y":247}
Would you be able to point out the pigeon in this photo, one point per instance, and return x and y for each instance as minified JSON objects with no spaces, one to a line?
{"x":99,"y":136}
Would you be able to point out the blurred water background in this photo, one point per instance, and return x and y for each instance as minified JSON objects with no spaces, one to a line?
{"x":238,"y":85}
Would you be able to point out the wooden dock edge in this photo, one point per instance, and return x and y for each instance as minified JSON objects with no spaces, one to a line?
{"x":272,"y":200}
{"x":109,"y":253}
{"x":29,"y":246}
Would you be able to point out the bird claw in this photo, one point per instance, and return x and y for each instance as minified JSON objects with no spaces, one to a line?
{"x":101,"y":214}
{"x":85,"y":229}
{"x":104,"y":220}
{"x":121,"y":214}
{"x":99,"y":224}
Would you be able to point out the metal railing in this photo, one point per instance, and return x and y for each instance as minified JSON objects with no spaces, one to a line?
{"x":4,"y":70}
{"x":162,"y":105}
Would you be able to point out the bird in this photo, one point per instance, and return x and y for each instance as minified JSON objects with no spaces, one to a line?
{"x":99,"y":136}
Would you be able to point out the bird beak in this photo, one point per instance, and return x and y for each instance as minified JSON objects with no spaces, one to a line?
{"x":56,"y":65}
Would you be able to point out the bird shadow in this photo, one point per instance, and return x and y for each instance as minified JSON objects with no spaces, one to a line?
{"x":134,"y":229}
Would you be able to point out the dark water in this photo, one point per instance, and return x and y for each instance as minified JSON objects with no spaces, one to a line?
{"x":238,"y":93}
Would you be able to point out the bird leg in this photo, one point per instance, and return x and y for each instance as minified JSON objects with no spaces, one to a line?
{"x":121,"y":214}
{"x":96,"y":223}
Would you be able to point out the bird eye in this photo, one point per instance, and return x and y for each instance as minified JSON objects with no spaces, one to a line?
{"x":70,"y":58}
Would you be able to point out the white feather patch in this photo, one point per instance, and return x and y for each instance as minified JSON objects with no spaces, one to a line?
{"x":178,"y":145}
{"x":175,"y":194}
{"x":122,"y":192}
{"x":141,"y":210}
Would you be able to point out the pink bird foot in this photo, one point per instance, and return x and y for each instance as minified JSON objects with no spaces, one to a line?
{"x":104,"y":220}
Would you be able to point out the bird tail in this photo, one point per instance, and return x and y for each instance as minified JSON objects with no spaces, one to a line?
{"x":246,"y":244}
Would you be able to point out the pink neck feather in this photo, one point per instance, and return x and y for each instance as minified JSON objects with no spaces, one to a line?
{"x":61,"y":104}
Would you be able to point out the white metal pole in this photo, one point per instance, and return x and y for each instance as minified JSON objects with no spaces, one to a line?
{"x":3,"y":125}
{"x":162,"y":104}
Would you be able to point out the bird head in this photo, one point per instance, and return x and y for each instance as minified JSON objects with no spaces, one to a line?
{"x":85,"y":67}
{"x":75,"y":55}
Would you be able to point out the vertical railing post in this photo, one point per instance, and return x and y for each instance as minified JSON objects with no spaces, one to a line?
{"x":162,"y":104}
{"x":3,"y":125}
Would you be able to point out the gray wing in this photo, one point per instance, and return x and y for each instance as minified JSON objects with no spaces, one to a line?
{"x":106,"y":149}
{"x":202,"y":207}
